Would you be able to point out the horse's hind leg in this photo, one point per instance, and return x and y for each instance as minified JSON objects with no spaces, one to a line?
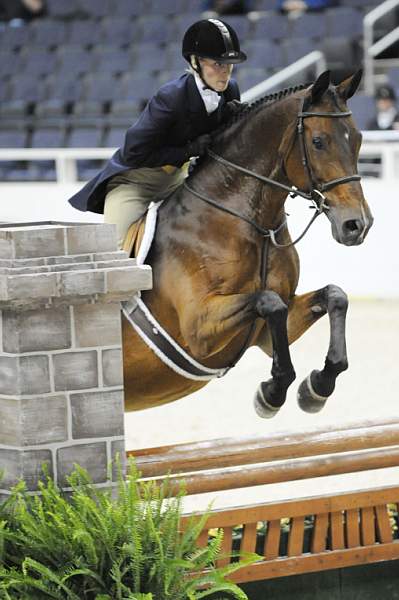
{"x":271,"y":394}
{"x":305,"y":310}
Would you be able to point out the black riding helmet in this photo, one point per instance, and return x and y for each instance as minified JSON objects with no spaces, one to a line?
{"x":214,"y":39}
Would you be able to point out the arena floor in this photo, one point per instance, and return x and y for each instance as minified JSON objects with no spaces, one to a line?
{"x":224,"y":408}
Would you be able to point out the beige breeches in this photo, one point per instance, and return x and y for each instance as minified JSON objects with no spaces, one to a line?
{"x":130,"y":193}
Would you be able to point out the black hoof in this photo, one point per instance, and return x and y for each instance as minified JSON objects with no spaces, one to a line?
{"x":308,"y":400}
{"x":262,"y":406}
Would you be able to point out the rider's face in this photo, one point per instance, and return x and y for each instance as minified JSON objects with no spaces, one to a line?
{"x":215,"y":74}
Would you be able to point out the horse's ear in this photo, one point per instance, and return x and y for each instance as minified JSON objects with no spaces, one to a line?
{"x":349,"y":86}
{"x":319,"y":87}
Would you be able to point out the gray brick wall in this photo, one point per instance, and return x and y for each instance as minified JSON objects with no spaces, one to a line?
{"x":61,"y":376}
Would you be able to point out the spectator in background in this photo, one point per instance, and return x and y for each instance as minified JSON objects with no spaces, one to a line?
{"x":294,"y":8}
{"x":227,"y":7}
{"x":21,"y":10}
{"x":387,"y":115}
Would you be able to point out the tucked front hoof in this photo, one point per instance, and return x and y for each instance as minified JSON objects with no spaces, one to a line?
{"x":308,"y":400}
{"x":263,"y":408}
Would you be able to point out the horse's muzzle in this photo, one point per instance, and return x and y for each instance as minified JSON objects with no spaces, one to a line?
{"x":352,"y":231}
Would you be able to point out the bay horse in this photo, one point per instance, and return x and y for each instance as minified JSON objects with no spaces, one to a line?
{"x":224,"y":266}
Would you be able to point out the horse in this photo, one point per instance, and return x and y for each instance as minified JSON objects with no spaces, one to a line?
{"x":225,"y":268}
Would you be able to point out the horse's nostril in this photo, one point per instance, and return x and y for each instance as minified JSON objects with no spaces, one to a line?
{"x":352,"y":225}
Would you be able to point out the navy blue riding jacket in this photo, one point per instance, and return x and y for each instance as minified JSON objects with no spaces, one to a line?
{"x":173,"y":117}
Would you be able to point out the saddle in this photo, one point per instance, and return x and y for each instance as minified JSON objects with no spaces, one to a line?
{"x":134,"y":237}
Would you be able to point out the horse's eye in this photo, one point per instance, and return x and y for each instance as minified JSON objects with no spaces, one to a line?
{"x":318,"y":143}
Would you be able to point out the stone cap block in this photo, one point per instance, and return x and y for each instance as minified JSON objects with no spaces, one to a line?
{"x":51,"y":238}
{"x":53,"y":264}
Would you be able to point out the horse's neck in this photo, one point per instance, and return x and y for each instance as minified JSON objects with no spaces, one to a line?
{"x":255,"y":144}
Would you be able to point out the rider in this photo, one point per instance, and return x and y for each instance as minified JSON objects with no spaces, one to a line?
{"x":174,"y":127}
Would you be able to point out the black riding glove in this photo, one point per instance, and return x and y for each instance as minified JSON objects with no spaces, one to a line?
{"x":199,"y":146}
{"x":232,"y":108}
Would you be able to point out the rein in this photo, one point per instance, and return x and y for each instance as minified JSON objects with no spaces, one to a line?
{"x":316,"y":195}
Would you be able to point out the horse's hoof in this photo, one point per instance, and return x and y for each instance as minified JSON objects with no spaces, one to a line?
{"x":262,"y":407}
{"x":308,"y":400}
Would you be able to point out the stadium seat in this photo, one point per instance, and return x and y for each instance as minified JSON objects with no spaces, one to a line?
{"x":96,"y":8}
{"x":12,"y":38}
{"x":263,"y":54}
{"x":149,"y":57}
{"x":124,"y":112}
{"x":156,"y":29}
{"x":66,"y":88}
{"x":73,"y":61}
{"x":344,"y":21}
{"x":26,"y":87}
{"x":312,"y":25}
{"x":174,"y":57}
{"x":265,"y":5}
{"x":363,"y":108}
{"x":49,"y":137}
{"x":83,"y":33}
{"x":127,"y":8}
{"x":171,"y":7}
{"x":241,"y":24}
{"x":248,"y":77}
{"x":114,"y":137}
{"x":48,"y":33}
{"x":295,"y":49}
{"x":137,"y":87}
{"x":117,"y":31}
{"x":100,"y":87}
{"x":60,"y":9}
{"x":84,"y":137}
{"x":271,"y":27}
{"x":37,"y":62}
{"x":183,"y":22}
{"x":13,"y":138}
{"x":10,"y":63}
{"x":111,"y":60}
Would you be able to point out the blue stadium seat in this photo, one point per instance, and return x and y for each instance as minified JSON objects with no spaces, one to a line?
{"x":14,"y":109}
{"x":265,"y":5}
{"x":74,"y":61}
{"x":48,"y":32}
{"x":26,"y":87}
{"x":38,"y":61}
{"x":13,"y":138}
{"x":312,"y":25}
{"x":149,"y":58}
{"x":10,"y":63}
{"x":363,"y":108}
{"x":127,"y":8}
{"x":114,"y":137}
{"x":84,"y":137}
{"x":156,"y":29}
{"x":241,"y":24}
{"x":263,"y":54}
{"x":393,"y":76}
{"x":83,"y":33}
{"x":296,"y":48}
{"x":49,"y":137}
{"x":137,"y":87}
{"x":117,"y":31}
{"x":271,"y":26}
{"x":111,"y":60}
{"x":248,"y":77}
{"x":60,"y":87}
{"x":174,"y":57}
{"x":124,"y":112}
{"x":12,"y":38}
{"x":169,"y":75}
{"x":344,"y":21}
{"x":96,"y":8}
{"x":60,"y":9}
{"x":101,"y":87}
{"x":171,"y":7}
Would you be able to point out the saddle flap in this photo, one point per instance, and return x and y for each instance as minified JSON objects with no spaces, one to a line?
{"x":134,"y":237}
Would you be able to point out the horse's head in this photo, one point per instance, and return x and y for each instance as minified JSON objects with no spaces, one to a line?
{"x":324,"y":157}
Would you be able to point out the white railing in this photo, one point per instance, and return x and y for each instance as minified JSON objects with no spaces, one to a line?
{"x":371,"y":49}
{"x":315,"y":58}
{"x":379,"y":156}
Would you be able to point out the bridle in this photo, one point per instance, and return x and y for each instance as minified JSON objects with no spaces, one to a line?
{"x":316,"y":195}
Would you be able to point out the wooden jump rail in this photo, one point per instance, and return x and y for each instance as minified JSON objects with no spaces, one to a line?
{"x":311,"y":534}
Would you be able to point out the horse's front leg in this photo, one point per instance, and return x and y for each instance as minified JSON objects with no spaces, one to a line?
{"x":304,"y":310}
{"x":271,"y":394}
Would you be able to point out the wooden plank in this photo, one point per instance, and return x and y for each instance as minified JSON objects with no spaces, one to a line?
{"x":248,"y":476}
{"x":202,"y":540}
{"x":367,"y":526}
{"x":309,"y":505}
{"x":384,"y":529}
{"x":295,"y":538}
{"x":319,"y":537}
{"x":352,"y":528}
{"x":272,"y":540}
{"x":337,"y":530}
{"x":226,"y":547}
{"x":309,"y":563}
{"x":248,"y":543}
{"x":224,"y":452}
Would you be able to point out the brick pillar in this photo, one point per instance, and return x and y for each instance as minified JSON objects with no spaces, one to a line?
{"x":61,"y":385}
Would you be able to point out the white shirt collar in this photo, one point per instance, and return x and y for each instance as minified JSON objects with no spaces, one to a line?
{"x":210,"y":98}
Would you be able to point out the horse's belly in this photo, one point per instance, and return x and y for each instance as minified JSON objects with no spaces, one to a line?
{"x":148,"y":381}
